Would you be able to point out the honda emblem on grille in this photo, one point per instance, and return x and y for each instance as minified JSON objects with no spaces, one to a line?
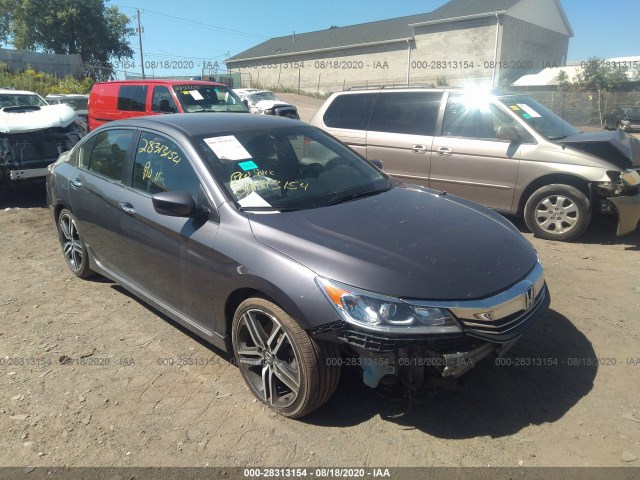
{"x":529,"y":297}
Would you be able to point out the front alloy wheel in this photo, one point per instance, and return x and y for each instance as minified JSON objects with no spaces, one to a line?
{"x":557,"y":212}
{"x":73,"y":248}
{"x":284,"y":368}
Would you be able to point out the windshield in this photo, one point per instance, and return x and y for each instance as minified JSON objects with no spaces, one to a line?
{"x":20,"y":100}
{"x":78,"y":103}
{"x":208,"y":98}
{"x":290,"y":168}
{"x":631,"y":111}
{"x":539,"y":117}
{"x":257,"y":97}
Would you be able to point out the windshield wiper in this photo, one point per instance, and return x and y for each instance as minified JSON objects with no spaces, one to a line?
{"x":352,"y":196}
{"x":268,"y":209}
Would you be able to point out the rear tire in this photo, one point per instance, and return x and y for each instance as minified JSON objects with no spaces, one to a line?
{"x":73,"y":247}
{"x":282,"y":365}
{"x":557,"y":212}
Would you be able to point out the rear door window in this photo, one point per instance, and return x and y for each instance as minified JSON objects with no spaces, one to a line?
{"x":350,"y":111}
{"x":132,"y":98}
{"x":412,"y":113}
{"x":108,"y":154}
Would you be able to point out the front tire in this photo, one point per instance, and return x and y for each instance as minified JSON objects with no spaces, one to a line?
{"x":282,"y":365}
{"x":557,"y":212}
{"x":73,"y":247}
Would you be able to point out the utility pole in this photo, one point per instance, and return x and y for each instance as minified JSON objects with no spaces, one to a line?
{"x":139,"y":29}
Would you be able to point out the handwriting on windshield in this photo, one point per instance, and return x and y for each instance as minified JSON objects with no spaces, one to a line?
{"x":160,"y":149}
{"x":264,"y":176}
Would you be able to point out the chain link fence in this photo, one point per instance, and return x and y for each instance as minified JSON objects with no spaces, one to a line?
{"x":583,"y":108}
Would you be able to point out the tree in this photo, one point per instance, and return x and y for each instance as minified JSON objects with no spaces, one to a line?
{"x":601,"y":77}
{"x":598,"y":74}
{"x":86,"y":27}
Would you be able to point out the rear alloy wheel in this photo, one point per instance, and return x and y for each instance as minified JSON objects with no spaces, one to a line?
{"x":284,"y":367}
{"x":557,"y":212}
{"x":73,"y":248}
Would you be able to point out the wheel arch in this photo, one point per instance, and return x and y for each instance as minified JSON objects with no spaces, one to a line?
{"x":555,"y":178}
{"x":239,"y":295}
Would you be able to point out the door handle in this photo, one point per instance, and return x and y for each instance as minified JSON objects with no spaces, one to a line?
{"x":444,"y":151}
{"x":418,"y":148}
{"x":127,"y":208}
{"x":75,"y":182}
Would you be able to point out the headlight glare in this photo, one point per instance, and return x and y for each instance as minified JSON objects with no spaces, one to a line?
{"x":384,"y":313}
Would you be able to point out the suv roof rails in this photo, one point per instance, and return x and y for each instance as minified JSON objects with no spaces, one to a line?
{"x":393,"y":85}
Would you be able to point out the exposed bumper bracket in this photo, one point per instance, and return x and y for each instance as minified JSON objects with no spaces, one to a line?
{"x":31,"y":173}
{"x":459,"y":363}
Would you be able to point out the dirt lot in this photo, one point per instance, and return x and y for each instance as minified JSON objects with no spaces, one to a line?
{"x":86,"y":377}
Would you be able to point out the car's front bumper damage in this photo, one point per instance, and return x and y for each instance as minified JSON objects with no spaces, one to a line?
{"x":624,"y":196}
{"x":421,"y":360}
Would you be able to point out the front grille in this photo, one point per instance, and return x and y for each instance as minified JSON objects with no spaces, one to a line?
{"x":504,"y":329}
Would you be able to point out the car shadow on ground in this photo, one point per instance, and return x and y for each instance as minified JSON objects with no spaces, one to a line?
{"x":23,"y":195}
{"x":548,"y":372}
{"x":601,"y":231}
{"x":539,"y":381}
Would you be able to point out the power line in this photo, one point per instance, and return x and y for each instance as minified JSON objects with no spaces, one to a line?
{"x":153,"y":13}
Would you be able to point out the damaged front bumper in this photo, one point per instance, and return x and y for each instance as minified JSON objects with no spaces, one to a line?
{"x":421,"y":360}
{"x":628,"y":206}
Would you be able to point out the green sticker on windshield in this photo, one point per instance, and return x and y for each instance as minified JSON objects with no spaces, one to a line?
{"x":250,"y":165}
{"x":526,"y":116}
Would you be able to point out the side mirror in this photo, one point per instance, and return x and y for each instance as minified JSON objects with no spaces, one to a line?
{"x":246,"y":102}
{"x":376,"y":163}
{"x":509,"y":133}
{"x":176,"y":204}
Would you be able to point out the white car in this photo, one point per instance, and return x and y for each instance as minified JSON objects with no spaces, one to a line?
{"x":264,"y":102}
{"x":33,"y":134}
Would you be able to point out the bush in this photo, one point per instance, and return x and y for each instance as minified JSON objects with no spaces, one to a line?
{"x":42,"y":83}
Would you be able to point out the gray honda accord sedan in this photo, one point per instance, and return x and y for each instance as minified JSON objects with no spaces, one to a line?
{"x":272,"y":240}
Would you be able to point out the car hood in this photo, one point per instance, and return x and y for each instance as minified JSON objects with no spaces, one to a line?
{"x":617,"y":147}
{"x":33,"y":118}
{"x":408,"y":242}
{"x":268,"y":104}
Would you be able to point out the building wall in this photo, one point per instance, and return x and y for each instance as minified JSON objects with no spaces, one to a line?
{"x":527,"y":48}
{"x":55,"y":64}
{"x":455,"y":53}
{"x":458,"y":52}
{"x":329,"y":71}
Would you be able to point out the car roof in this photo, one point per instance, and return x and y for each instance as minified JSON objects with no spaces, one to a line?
{"x":156,"y":81}
{"x":196,"y":124}
{"x":18,"y":92}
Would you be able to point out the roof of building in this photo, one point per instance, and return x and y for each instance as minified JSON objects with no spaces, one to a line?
{"x":382,"y":31}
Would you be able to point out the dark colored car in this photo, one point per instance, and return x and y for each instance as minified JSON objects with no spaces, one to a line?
{"x":623,"y":118}
{"x":272,"y":240}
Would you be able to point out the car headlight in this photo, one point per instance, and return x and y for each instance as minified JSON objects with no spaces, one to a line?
{"x":382,"y":313}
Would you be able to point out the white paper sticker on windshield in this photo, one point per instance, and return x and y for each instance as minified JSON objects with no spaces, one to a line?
{"x":196,"y":94}
{"x":529,"y":110}
{"x":227,"y":148}
{"x":253,"y":200}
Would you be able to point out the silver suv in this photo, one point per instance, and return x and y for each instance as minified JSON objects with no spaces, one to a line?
{"x":503,"y":150}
